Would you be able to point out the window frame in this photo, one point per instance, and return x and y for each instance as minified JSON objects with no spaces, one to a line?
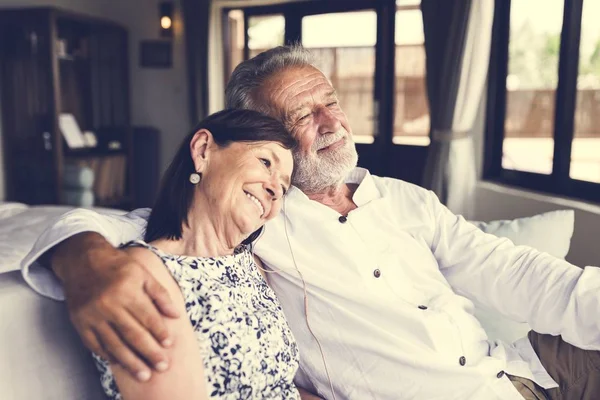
{"x":382,"y":156}
{"x":384,"y":83}
{"x":558,"y":182}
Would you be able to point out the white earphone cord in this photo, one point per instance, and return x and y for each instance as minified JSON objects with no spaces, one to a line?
{"x":305,"y":299}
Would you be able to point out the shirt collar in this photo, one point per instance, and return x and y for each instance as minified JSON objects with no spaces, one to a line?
{"x":366,"y":192}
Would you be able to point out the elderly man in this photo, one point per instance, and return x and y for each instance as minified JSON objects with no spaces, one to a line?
{"x":375,"y":276}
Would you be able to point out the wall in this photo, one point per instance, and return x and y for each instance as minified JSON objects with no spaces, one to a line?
{"x":159,"y":97}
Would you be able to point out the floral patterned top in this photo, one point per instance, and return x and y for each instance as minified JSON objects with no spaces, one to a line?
{"x":247,"y":346}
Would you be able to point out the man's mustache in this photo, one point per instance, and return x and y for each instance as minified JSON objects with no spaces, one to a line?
{"x":327,"y":140}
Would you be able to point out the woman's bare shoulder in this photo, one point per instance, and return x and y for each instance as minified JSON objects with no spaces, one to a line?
{"x":154,"y":265}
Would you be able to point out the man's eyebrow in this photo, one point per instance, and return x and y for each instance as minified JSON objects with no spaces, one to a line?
{"x":294,"y":111}
{"x":331,"y":93}
{"x":290,"y":114}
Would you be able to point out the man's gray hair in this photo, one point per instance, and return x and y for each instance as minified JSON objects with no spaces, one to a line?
{"x":247,"y":77}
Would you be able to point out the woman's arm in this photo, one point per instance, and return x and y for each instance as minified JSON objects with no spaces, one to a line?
{"x":103,"y":285}
{"x":185,"y":377}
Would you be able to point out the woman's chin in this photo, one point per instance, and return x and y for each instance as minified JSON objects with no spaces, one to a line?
{"x":249,"y":225}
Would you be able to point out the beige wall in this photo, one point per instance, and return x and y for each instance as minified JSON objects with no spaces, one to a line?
{"x":159,"y":97}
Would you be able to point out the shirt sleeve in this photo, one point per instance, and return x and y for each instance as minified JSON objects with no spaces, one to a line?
{"x":117,"y":229}
{"x":552,"y":295}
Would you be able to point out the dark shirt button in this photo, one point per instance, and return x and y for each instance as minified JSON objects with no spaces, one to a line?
{"x":342,"y":219}
{"x":421,"y":307}
{"x":500,"y":374}
{"x":377,"y":273}
{"x":462,"y":360}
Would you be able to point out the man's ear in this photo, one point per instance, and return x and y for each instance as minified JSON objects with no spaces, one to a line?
{"x":200,"y":149}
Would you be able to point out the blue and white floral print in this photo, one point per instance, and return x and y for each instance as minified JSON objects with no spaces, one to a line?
{"x":246,"y":344}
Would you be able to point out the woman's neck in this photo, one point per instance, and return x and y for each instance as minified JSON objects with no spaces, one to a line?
{"x":202,"y":236}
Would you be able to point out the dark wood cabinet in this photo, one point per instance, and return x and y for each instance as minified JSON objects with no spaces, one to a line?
{"x":52,"y":62}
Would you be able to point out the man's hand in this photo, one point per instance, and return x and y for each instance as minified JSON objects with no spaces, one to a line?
{"x":114,"y":303}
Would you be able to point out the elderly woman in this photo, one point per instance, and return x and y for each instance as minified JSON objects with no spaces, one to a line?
{"x":227,"y":179}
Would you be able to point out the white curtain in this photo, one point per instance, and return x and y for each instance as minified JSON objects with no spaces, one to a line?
{"x":451,"y":170}
{"x":461,"y":162}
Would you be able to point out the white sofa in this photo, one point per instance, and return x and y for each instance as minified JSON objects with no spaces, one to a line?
{"x":41,"y":357}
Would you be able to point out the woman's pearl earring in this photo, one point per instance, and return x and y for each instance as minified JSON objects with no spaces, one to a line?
{"x":195,"y":178}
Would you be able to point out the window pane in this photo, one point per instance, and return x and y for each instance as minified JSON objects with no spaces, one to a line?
{"x":235,"y":26}
{"x":411,"y":117}
{"x":585,"y":153}
{"x":265,"y":32}
{"x":346,"y":55}
{"x":403,"y":3}
{"x":531,"y":84}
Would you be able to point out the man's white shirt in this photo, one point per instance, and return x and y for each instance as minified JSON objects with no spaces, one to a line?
{"x":390,"y":292}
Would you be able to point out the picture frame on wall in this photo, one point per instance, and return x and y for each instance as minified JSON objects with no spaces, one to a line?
{"x":156,"y":54}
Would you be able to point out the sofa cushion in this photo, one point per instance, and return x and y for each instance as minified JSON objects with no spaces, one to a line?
{"x":41,"y":356}
{"x":549,"y":232}
{"x":9,"y":209}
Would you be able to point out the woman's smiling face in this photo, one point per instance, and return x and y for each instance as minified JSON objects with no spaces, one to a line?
{"x":244,"y":183}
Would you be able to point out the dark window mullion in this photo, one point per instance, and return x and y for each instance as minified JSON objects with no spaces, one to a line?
{"x":496,"y":104}
{"x":384,"y":73}
{"x":566,"y":92}
{"x":293,"y":25}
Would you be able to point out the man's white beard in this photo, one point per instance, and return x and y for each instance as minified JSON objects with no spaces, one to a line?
{"x":318,"y":173}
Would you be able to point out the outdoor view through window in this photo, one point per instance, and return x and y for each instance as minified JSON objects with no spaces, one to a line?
{"x":531,"y":88}
{"x":347,"y":57}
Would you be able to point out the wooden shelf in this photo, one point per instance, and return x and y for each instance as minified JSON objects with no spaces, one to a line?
{"x":88,"y":79}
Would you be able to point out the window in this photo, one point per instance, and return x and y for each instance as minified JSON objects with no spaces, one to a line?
{"x":531,"y":84}
{"x":543,"y":116}
{"x":346,"y":56}
{"x":235,"y":36}
{"x":374,"y":54}
{"x":264,"y":32}
{"x":411,"y":116}
{"x":585,"y":151}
